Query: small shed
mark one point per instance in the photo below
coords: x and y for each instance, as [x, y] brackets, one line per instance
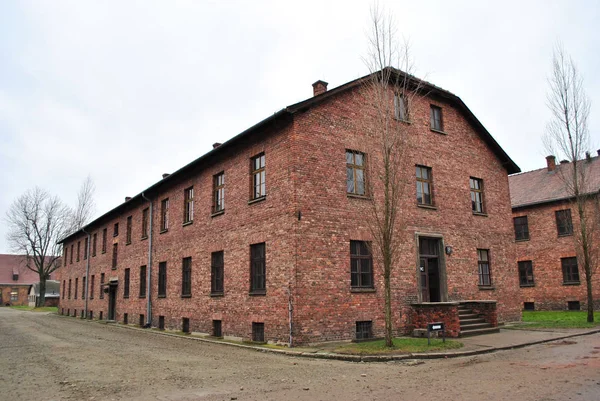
[52, 293]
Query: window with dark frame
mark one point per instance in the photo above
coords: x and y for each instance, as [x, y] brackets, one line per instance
[129, 228]
[436, 119]
[76, 287]
[83, 279]
[85, 248]
[400, 107]
[570, 270]
[217, 268]
[116, 230]
[69, 288]
[94, 243]
[126, 282]
[72, 251]
[162, 279]
[564, 225]
[356, 183]
[78, 250]
[188, 205]
[65, 255]
[185, 324]
[218, 192]
[143, 279]
[186, 277]
[526, 273]
[521, 228]
[259, 186]
[258, 332]
[114, 255]
[361, 265]
[101, 296]
[258, 269]
[483, 261]
[64, 288]
[364, 330]
[217, 328]
[145, 214]
[476, 185]
[92, 284]
[104, 235]
[424, 186]
[164, 215]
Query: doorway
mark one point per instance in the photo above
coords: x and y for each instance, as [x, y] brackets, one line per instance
[429, 269]
[112, 302]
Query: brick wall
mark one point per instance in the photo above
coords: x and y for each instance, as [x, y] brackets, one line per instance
[545, 248]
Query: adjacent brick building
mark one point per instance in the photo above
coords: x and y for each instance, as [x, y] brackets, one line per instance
[546, 223]
[266, 238]
[16, 280]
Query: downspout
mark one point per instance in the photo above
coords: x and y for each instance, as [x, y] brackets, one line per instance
[149, 271]
[87, 271]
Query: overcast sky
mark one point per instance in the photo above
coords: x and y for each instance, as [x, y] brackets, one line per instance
[125, 91]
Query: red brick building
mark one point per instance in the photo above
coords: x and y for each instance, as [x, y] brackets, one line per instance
[546, 222]
[265, 236]
[16, 280]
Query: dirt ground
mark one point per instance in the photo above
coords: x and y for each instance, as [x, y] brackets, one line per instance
[50, 357]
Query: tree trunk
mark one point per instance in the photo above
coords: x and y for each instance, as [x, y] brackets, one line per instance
[388, 308]
[41, 300]
[590, 296]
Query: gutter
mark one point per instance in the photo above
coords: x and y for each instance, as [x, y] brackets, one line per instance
[149, 269]
[87, 271]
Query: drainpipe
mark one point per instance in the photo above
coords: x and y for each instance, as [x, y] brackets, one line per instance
[87, 271]
[149, 270]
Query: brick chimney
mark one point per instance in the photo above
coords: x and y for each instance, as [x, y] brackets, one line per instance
[165, 175]
[127, 198]
[564, 162]
[319, 87]
[551, 162]
[216, 145]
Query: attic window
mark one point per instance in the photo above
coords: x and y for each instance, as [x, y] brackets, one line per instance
[15, 276]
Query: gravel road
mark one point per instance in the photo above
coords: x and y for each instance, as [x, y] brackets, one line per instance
[50, 357]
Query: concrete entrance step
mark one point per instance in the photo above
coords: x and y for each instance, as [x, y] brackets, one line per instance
[467, 322]
[474, 326]
[476, 332]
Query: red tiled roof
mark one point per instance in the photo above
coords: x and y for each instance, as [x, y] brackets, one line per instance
[543, 186]
[16, 264]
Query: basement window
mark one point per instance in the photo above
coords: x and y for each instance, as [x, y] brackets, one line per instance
[125, 318]
[574, 305]
[217, 328]
[258, 332]
[100, 316]
[529, 306]
[91, 315]
[185, 325]
[364, 330]
[142, 321]
[161, 322]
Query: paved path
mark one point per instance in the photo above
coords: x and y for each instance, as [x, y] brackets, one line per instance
[49, 357]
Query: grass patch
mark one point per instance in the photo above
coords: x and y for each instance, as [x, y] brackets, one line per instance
[41, 309]
[401, 345]
[558, 319]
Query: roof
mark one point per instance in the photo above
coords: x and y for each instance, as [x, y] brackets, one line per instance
[543, 186]
[16, 264]
[285, 115]
[52, 288]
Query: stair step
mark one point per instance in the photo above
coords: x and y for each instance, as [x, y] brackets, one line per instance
[476, 332]
[471, 321]
[468, 316]
[474, 326]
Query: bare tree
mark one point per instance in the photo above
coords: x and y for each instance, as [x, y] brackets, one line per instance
[567, 136]
[37, 221]
[387, 95]
[85, 204]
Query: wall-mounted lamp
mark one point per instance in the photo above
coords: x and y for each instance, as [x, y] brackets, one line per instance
[448, 250]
